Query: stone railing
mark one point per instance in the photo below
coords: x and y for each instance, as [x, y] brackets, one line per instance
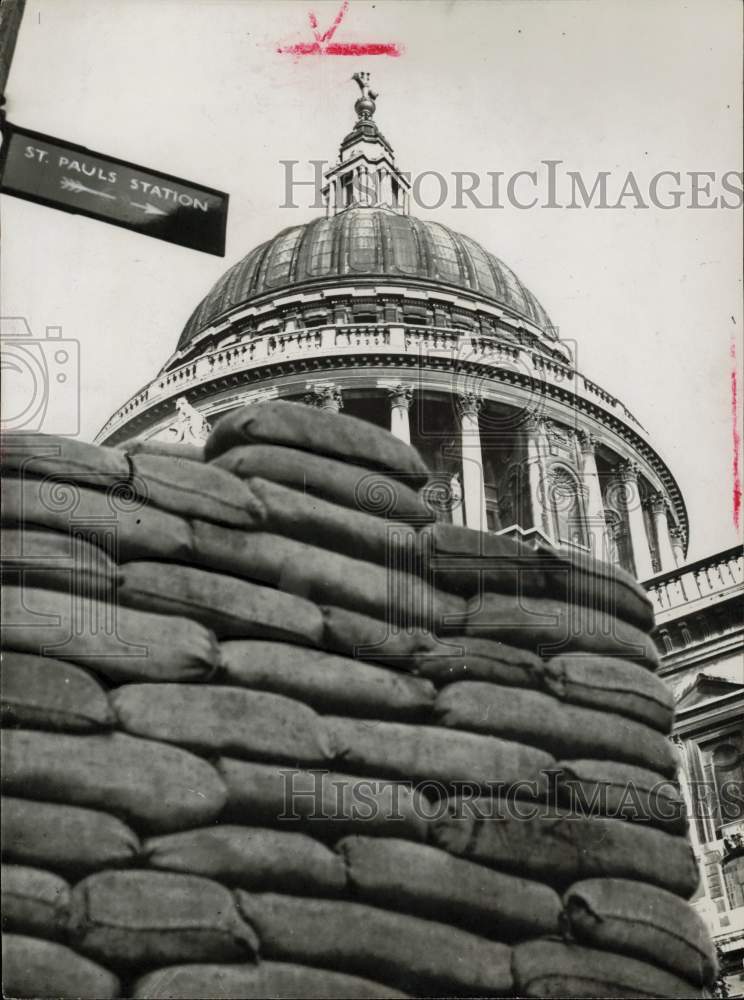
[707, 580]
[355, 339]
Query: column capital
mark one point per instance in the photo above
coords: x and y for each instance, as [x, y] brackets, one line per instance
[627, 470]
[401, 394]
[587, 441]
[657, 503]
[677, 535]
[469, 404]
[533, 423]
[324, 396]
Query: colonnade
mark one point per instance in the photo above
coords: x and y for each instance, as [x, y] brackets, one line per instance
[665, 537]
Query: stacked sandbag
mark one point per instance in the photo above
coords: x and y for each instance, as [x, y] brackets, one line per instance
[272, 730]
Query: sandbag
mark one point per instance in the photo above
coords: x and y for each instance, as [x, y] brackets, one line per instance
[413, 878]
[322, 803]
[362, 637]
[130, 528]
[162, 787]
[400, 599]
[254, 555]
[329, 683]
[642, 921]
[560, 849]
[194, 489]
[330, 526]
[553, 969]
[58, 560]
[228, 606]
[425, 753]
[34, 454]
[412, 954]
[541, 720]
[609, 788]
[277, 980]
[42, 693]
[613, 685]
[140, 918]
[473, 563]
[35, 902]
[171, 449]
[352, 486]
[251, 858]
[119, 643]
[334, 435]
[551, 626]
[468, 562]
[461, 657]
[582, 579]
[36, 968]
[47, 834]
[253, 724]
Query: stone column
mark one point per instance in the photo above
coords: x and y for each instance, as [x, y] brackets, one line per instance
[627, 473]
[324, 397]
[658, 504]
[469, 405]
[593, 500]
[678, 545]
[541, 519]
[400, 402]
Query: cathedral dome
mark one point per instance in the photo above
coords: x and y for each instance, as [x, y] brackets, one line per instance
[360, 243]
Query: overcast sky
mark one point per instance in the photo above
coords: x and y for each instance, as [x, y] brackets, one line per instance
[196, 88]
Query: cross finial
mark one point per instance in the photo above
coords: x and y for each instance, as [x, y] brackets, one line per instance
[365, 105]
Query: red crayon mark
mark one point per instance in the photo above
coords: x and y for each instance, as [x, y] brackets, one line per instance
[323, 46]
[736, 436]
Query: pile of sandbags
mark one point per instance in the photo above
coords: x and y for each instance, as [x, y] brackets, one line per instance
[273, 731]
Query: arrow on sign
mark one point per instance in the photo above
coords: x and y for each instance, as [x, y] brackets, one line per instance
[147, 208]
[69, 184]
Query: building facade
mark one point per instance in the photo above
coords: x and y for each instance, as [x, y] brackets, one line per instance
[700, 632]
[421, 330]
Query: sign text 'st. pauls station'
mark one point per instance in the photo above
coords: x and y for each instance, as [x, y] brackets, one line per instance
[56, 173]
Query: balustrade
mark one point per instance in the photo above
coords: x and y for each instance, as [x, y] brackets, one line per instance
[361, 337]
[708, 578]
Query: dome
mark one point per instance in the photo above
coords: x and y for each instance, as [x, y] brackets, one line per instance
[361, 242]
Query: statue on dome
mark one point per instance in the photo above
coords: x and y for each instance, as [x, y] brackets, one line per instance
[190, 426]
[365, 105]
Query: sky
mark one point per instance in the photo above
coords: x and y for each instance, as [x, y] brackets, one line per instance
[650, 299]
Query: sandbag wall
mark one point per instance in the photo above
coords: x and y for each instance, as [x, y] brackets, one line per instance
[271, 731]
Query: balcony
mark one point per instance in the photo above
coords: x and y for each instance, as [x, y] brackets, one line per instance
[697, 585]
[517, 363]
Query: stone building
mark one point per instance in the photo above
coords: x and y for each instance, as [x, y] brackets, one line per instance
[700, 631]
[420, 329]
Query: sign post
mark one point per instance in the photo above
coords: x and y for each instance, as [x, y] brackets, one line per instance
[62, 175]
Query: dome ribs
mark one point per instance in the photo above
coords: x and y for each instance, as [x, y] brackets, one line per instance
[366, 243]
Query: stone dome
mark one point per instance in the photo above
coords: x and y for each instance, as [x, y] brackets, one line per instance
[367, 242]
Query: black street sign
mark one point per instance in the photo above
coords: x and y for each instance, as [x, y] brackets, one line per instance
[61, 175]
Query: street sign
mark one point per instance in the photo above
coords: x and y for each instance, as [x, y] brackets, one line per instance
[61, 175]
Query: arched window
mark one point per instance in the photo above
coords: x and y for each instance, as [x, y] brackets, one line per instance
[564, 503]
